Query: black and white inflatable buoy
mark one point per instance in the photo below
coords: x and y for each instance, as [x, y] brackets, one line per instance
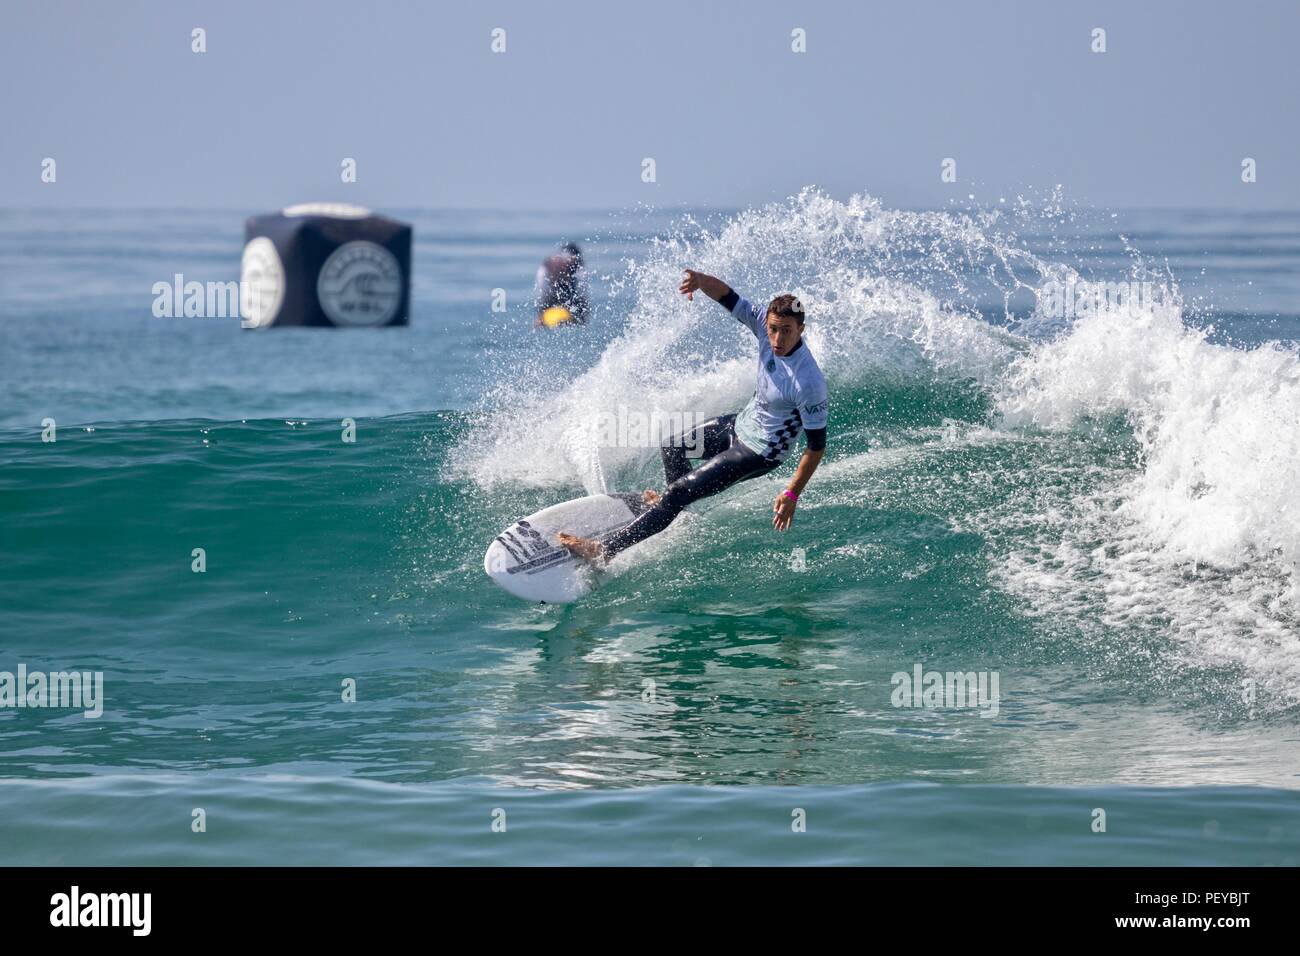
[325, 264]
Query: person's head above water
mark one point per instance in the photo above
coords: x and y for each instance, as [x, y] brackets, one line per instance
[565, 263]
[571, 251]
[784, 323]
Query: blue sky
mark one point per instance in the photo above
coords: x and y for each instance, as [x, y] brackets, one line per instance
[586, 91]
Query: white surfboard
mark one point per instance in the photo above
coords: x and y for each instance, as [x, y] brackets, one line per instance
[528, 561]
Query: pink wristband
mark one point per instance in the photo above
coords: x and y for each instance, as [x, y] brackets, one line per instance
[789, 494]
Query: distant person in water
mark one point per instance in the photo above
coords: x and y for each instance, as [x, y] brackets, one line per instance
[562, 285]
[790, 396]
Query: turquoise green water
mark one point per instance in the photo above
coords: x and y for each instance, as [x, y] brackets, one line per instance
[327, 822]
[1066, 516]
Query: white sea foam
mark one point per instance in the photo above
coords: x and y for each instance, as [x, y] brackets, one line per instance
[1219, 429]
[1202, 541]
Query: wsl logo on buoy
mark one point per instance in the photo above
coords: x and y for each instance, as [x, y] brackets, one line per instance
[360, 284]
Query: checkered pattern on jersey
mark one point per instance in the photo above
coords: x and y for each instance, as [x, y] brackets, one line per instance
[780, 441]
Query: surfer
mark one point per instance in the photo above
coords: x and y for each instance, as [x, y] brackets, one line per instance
[790, 396]
[561, 289]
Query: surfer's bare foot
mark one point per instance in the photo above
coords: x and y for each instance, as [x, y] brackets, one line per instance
[582, 547]
[650, 496]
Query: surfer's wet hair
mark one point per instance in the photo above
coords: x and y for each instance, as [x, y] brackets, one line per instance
[786, 307]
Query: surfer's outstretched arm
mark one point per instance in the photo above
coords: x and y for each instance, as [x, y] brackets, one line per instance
[749, 315]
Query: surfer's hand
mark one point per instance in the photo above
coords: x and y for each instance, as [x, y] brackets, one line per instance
[691, 284]
[694, 282]
[783, 512]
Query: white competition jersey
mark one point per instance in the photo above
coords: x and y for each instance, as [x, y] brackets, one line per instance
[790, 394]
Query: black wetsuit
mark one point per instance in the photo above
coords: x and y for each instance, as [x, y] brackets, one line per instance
[560, 282]
[727, 461]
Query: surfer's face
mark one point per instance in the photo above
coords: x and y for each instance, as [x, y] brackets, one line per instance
[782, 334]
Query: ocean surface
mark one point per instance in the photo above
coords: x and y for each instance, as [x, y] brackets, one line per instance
[1097, 509]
